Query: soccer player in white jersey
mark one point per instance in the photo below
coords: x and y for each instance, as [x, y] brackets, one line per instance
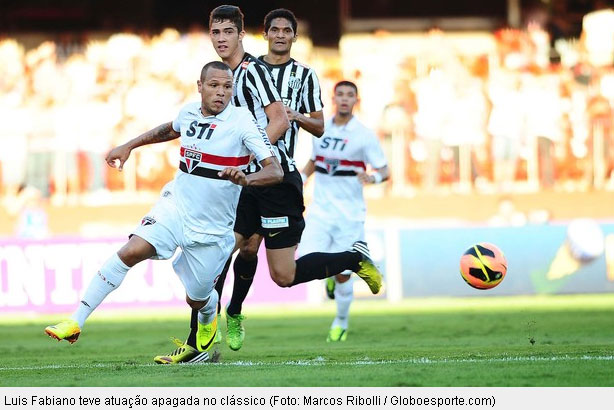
[337, 214]
[277, 210]
[196, 210]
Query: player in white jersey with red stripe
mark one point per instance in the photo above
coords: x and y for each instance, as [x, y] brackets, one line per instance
[336, 217]
[196, 210]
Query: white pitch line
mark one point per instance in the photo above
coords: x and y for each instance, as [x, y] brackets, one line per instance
[321, 361]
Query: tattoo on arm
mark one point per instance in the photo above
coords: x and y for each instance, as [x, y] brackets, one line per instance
[161, 133]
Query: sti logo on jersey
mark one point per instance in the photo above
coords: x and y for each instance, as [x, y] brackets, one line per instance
[334, 143]
[331, 165]
[192, 159]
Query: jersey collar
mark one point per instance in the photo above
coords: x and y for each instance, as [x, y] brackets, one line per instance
[350, 126]
[224, 115]
[261, 59]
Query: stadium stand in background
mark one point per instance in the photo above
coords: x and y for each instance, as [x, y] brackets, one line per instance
[531, 110]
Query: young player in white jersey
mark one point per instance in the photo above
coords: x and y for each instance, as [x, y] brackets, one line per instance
[336, 216]
[196, 210]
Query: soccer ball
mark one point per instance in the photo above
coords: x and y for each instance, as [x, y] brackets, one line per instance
[483, 266]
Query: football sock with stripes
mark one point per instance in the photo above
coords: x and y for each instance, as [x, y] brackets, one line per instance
[108, 278]
[319, 265]
[344, 294]
[219, 285]
[191, 341]
[244, 270]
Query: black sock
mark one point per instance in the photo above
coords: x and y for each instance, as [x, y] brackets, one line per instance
[244, 276]
[219, 286]
[193, 329]
[320, 265]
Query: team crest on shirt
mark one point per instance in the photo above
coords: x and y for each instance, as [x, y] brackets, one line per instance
[148, 220]
[294, 83]
[331, 165]
[192, 159]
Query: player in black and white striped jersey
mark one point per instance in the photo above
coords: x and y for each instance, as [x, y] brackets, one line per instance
[299, 88]
[297, 84]
[253, 86]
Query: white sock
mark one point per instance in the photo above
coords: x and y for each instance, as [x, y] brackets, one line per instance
[108, 278]
[207, 313]
[344, 294]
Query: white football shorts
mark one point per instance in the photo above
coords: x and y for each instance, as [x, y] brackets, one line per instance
[330, 236]
[202, 255]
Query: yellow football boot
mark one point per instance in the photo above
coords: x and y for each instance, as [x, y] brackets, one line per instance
[68, 330]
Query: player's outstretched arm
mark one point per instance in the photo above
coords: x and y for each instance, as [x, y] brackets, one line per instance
[278, 121]
[313, 123]
[161, 133]
[270, 174]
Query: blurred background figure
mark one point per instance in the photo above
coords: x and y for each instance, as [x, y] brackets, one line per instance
[506, 125]
[583, 244]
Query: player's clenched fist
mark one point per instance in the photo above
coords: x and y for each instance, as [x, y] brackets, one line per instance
[364, 178]
[234, 175]
[120, 153]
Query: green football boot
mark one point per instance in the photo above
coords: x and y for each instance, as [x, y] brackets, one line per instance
[235, 331]
[337, 334]
[330, 287]
[368, 271]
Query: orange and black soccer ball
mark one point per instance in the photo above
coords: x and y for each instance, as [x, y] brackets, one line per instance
[483, 266]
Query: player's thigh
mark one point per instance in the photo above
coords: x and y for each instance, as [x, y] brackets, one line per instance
[282, 265]
[200, 262]
[317, 236]
[281, 216]
[247, 220]
[162, 228]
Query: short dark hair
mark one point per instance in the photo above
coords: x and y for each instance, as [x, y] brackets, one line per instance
[280, 13]
[216, 65]
[346, 83]
[227, 12]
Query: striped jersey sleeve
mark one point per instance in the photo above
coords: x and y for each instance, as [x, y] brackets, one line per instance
[311, 97]
[261, 84]
[254, 88]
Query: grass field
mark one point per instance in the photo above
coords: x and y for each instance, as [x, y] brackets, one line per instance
[507, 341]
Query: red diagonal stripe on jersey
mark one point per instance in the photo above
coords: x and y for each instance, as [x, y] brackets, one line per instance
[218, 160]
[345, 162]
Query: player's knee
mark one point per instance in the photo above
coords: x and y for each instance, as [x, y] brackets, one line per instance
[281, 278]
[283, 282]
[342, 278]
[129, 255]
[249, 252]
[195, 304]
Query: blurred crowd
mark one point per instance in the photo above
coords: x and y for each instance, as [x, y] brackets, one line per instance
[535, 113]
[65, 104]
